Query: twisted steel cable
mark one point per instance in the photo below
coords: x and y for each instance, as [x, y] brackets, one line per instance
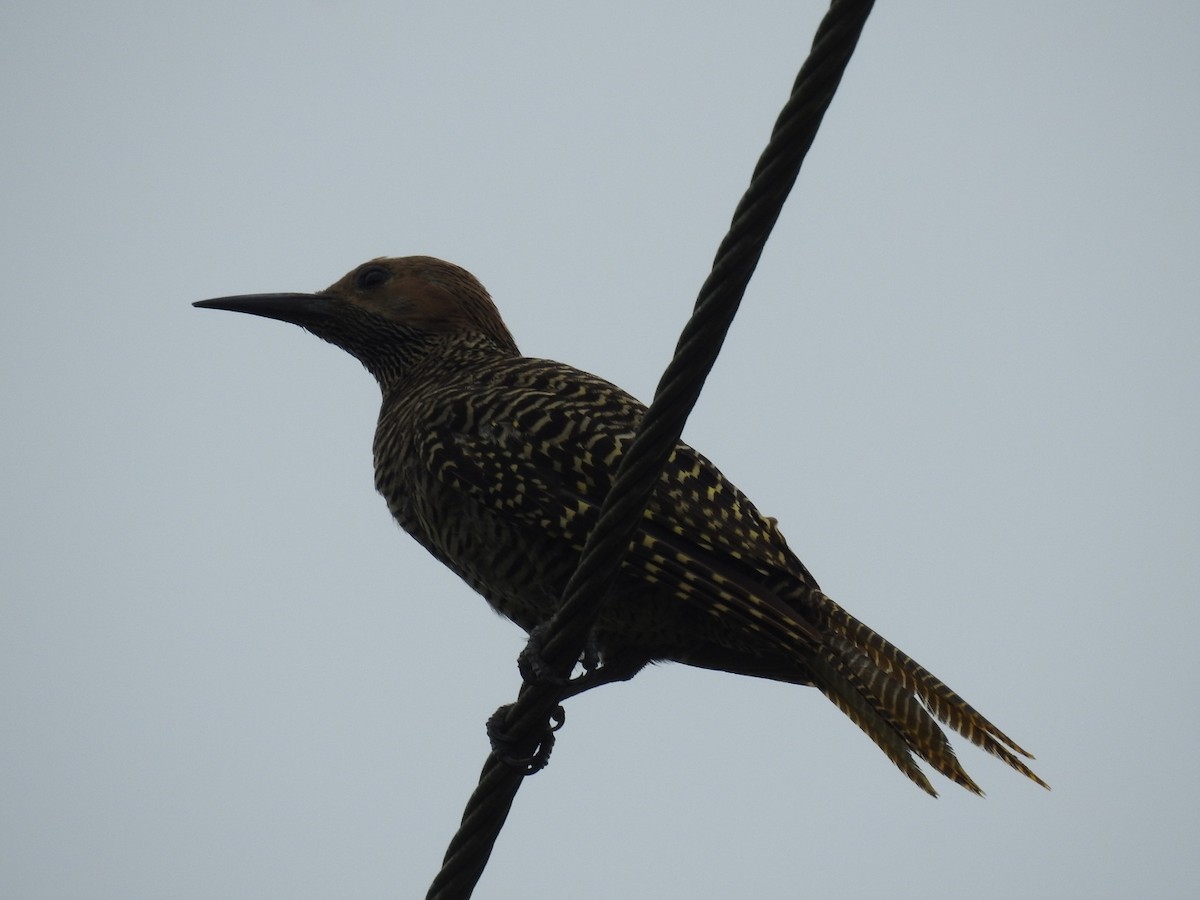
[526, 722]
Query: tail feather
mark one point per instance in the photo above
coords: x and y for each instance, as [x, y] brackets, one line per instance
[841, 688]
[903, 672]
[867, 694]
[905, 714]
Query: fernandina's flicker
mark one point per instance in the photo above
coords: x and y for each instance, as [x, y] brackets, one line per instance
[497, 464]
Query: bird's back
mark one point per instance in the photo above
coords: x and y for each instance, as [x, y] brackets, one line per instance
[514, 455]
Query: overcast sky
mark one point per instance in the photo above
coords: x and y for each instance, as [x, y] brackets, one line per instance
[965, 380]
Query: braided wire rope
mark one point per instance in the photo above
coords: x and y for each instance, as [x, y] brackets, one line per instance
[526, 721]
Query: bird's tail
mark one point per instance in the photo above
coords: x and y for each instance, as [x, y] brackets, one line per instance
[894, 699]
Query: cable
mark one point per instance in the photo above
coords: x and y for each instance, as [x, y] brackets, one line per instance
[527, 722]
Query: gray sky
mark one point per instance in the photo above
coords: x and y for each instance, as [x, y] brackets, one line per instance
[965, 380]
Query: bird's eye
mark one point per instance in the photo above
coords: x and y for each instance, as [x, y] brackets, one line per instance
[370, 276]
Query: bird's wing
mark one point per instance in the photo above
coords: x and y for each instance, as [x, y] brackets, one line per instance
[550, 464]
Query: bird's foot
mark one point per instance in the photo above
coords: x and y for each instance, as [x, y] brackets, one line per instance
[598, 670]
[532, 664]
[526, 754]
[534, 669]
[615, 669]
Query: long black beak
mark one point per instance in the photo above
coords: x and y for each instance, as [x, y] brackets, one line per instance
[299, 309]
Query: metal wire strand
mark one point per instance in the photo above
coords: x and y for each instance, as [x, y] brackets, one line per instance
[641, 465]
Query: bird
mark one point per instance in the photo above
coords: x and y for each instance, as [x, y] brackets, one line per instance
[497, 464]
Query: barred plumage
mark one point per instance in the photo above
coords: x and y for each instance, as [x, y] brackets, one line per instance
[497, 464]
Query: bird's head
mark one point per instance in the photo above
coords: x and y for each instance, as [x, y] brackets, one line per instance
[390, 313]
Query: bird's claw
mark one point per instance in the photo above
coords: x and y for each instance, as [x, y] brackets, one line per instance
[526, 754]
[533, 667]
[532, 664]
[591, 654]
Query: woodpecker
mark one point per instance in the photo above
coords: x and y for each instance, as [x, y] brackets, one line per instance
[497, 464]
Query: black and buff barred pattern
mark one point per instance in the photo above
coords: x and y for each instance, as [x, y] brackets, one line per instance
[497, 464]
